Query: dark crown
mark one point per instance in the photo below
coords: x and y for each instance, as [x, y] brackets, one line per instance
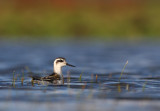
[61, 58]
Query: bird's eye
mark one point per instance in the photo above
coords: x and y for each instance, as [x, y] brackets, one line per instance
[60, 61]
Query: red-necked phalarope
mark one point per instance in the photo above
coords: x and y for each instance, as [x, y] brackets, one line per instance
[56, 77]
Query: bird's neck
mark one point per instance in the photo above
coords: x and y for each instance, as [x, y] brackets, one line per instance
[57, 70]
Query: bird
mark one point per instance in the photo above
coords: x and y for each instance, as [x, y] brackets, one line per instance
[56, 77]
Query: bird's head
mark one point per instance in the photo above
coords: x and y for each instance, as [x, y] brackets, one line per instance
[60, 62]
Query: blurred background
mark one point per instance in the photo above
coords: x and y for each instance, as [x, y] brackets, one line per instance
[107, 19]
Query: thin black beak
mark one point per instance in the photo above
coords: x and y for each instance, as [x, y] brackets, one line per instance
[70, 65]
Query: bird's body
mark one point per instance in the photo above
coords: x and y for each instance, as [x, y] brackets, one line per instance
[53, 78]
[56, 77]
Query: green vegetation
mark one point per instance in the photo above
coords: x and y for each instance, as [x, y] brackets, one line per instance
[144, 86]
[13, 80]
[123, 70]
[80, 77]
[98, 18]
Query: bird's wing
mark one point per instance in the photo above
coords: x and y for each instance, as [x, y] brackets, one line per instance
[51, 77]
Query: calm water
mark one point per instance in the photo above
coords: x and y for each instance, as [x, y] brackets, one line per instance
[137, 89]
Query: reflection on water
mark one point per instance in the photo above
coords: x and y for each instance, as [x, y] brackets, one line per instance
[93, 81]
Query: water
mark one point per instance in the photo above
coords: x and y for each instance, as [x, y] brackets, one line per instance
[138, 89]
